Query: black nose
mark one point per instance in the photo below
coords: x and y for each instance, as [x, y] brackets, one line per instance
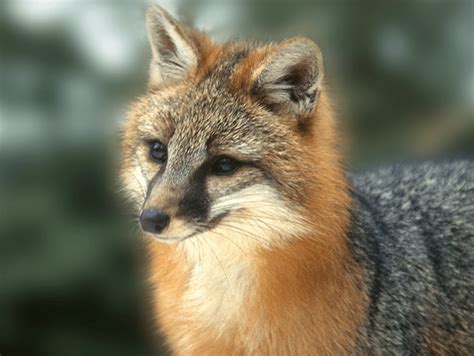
[154, 221]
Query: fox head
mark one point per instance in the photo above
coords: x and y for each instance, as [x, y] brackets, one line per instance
[230, 139]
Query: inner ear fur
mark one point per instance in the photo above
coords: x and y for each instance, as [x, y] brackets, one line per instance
[174, 55]
[289, 80]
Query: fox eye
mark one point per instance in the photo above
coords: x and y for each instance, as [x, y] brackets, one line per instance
[224, 165]
[158, 152]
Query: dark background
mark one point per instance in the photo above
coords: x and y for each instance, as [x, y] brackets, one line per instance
[71, 278]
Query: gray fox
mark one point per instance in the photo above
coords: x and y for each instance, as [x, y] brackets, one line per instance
[259, 242]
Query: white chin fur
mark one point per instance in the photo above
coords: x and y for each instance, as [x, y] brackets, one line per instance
[257, 218]
[221, 260]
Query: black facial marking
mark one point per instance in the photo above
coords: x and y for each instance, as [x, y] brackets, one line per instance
[195, 204]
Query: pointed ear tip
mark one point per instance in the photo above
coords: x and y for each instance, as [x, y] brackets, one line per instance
[154, 9]
[155, 13]
[152, 14]
[303, 43]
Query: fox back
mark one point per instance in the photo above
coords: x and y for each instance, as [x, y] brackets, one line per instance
[259, 243]
[413, 232]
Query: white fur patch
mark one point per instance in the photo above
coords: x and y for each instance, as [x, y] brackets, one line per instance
[135, 185]
[220, 281]
[258, 216]
[221, 259]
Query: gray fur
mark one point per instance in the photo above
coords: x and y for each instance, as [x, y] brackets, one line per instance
[413, 233]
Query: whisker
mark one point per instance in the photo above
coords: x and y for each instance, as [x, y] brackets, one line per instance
[222, 267]
[228, 239]
[300, 222]
[245, 233]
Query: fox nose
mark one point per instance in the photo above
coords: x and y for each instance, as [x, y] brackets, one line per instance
[154, 221]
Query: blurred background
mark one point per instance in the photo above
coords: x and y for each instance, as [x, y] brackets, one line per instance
[71, 277]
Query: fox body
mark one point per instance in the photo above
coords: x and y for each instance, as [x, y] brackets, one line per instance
[259, 242]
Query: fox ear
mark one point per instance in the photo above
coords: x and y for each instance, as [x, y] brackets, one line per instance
[173, 54]
[290, 80]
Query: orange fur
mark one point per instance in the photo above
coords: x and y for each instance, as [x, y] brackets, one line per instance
[303, 296]
[306, 295]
